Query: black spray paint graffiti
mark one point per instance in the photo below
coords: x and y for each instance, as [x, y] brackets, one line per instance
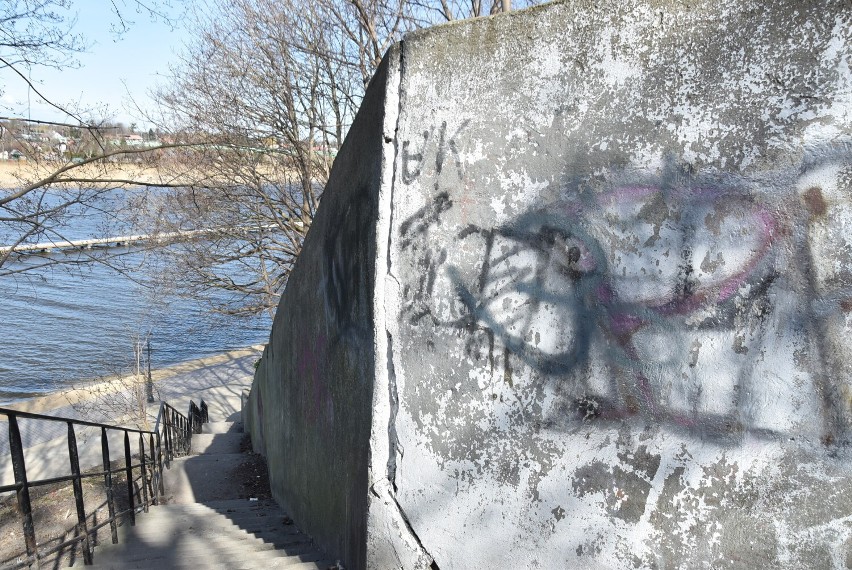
[345, 274]
[550, 286]
[413, 162]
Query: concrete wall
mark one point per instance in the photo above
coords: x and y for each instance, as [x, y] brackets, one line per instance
[610, 319]
[309, 408]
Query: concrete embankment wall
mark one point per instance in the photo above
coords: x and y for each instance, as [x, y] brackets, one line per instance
[309, 409]
[601, 310]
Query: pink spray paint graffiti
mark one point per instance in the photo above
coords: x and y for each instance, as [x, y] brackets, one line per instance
[596, 279]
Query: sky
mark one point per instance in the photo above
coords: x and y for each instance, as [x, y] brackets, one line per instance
[115, 70]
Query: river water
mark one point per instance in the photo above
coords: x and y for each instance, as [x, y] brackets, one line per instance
[61, 325]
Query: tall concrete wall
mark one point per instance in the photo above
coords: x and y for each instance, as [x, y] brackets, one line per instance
[609, 294]
[309, 410]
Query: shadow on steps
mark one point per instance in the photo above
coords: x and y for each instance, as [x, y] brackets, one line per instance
[219, 513]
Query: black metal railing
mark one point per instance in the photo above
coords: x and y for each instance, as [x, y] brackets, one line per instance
[197, 415]
[170, 438]
[174, 429]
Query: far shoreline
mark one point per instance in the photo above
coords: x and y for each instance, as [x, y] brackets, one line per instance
[15, 174]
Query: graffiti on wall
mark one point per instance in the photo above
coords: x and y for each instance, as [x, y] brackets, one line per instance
[344, 278]
[660, 297]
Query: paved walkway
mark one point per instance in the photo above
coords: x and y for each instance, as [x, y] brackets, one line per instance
[218, 380]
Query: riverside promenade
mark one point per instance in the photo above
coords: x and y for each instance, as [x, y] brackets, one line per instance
[219, 380]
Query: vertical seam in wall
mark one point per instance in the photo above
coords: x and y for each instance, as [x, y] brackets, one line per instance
[398, 89]
[393, 395]
[384, 445]
[382, 448]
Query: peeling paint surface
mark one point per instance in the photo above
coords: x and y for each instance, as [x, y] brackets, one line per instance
[579, 295]
[622, 265]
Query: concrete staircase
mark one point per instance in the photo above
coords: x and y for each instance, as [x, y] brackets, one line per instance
[211, 519]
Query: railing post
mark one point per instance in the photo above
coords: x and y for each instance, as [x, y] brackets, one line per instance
[184, 440]
[129, 469]
[195, 418]
[178, 442]
[177, 434]
[160, 464]
[144, 472]
[149, 382]
[187, 434]
[77, 483]
[16, 448]
[167, 416]
[155, 496]
[108, 485]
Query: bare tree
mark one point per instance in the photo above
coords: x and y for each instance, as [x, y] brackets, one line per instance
[52, 183]
[267, 89]
[262, 100]
[435, 11]
[41, 33]
[37, 32]
[122, 397]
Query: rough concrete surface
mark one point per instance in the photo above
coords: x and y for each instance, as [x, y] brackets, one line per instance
[606, 323]
[309, 410]
[216, 469]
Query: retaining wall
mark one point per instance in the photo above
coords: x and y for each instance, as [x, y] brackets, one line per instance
[579, 296]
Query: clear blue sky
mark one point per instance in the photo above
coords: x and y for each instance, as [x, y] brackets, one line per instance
[114, 65]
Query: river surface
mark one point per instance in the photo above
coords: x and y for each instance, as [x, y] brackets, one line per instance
[61, 325]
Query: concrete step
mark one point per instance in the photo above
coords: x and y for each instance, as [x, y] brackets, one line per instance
[212, 443]
[269, 520]
[229, 534]
[195, 564]
[222, 427]
[213, 559]
[192, 545]
[263, 538]
[202, 549]
[229, 506]
[202, 478]
[211, 518]
[234, 555]
[261, 509]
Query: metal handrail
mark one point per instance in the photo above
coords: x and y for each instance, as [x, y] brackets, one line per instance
[197, 415]
[171, 437]
[174, 429]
